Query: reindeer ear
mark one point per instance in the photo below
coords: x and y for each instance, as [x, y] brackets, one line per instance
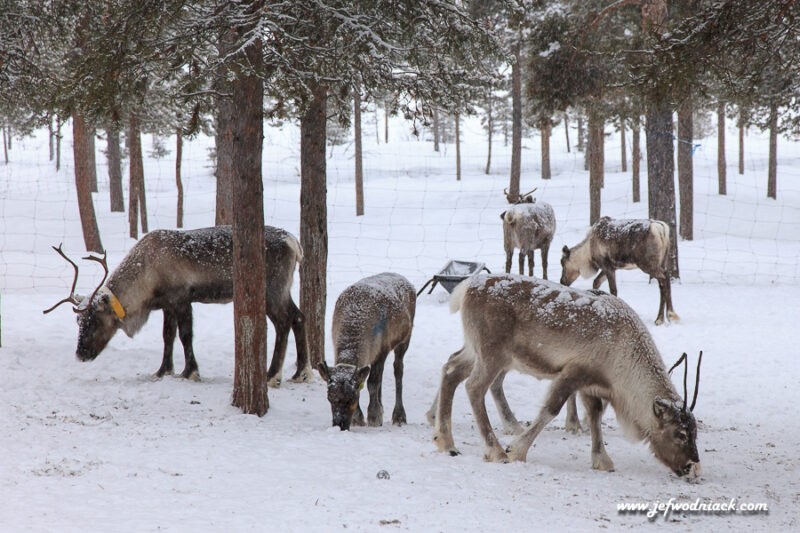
[322, 368]
[361, 375]
[565, 250]
[503, 215]
[662, 407]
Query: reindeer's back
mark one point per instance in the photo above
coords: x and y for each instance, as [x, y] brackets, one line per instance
[374, 314]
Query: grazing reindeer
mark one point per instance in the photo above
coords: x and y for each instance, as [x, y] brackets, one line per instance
[528, 226]
[372, 317]
[613, 244]
[169, 270]
[584, 342]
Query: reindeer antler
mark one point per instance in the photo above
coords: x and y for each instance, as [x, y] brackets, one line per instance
[85, 303]
[685, 359]
[697, 381]
[72, 298]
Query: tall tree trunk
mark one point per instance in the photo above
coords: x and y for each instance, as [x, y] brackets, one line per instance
[359, 157]
[490, 132]
[772, 171]
[636, 158]
[623, 145]
[5, 145]
[80, 150]
[314, 222]
[741, 143]
[58, 143]
[661, 172]
[458, 147]
[7, 135]
[50, 137]
[386, 121]
[581, 135]
[377, 125]
[136, 174]
[178, 178]
[436, 132]
[721, 171]
[596, 164]
[114, 159]
[686, 169]
[92, 160]
[566, 129]
[516, 122]
[546, 129]
[224, 139]
[249, 280]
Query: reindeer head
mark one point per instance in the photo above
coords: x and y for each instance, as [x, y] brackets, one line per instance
[674, 438]
[570, 268]
[344, 385]
[97, 319]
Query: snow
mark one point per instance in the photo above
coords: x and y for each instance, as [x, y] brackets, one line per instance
[100, 446]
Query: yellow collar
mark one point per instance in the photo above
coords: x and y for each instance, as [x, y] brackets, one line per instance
[116, 305]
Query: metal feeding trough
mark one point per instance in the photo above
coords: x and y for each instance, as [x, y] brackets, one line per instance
[453, 273]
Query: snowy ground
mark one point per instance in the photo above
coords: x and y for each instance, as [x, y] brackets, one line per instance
[101, 447]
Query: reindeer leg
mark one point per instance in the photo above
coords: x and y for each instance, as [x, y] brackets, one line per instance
[275, 372]
[399, 412]
[511, 425]
[662, 300]
[671, 314]
[184, 316]
[573, 424]
[509, 258]
[594, 408]
[454, 371]
[612, 280]
[303, 373]
[169, 331]
[521, 262]
[598, 281]
[483, 374]
[374, 381]
[544, 250]
[561, 389]
[530, 263]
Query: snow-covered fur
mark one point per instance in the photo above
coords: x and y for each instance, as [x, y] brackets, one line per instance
[371, 318]
[528, 226]
[169, 270]
[584, 341]
[626, 243]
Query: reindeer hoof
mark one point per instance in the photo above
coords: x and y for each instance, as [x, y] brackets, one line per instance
[573, 427]
[274, 383]
[673, 317]
[495, 455]
[603, 462]
[303, 376]
[194, 375]
[453, 452]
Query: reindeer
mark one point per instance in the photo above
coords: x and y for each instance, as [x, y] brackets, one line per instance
[528, 226]
[612, 244]
[584, 342]
[371, 318]
[169, 270]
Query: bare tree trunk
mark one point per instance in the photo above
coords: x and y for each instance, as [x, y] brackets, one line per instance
[636, 158]
[516, 122]
[80, 150]
[136, 175]
[490, 132]
[741, 143]
[566, 129]
[359, 158]
[50, 137]
[314, 222]
[596, 164]
[178, 179]
[5, 145]
[249, 281]
[721, 171]
[458, 147]
[377, 126]
[386, 121]
[623, 145]
[686, 169]
[58, 143]
[772, 170]
[581, 134]
[114, 159]
[92, 160]
[224, 140]
[546, 129]
[436, 132]
[10, 137]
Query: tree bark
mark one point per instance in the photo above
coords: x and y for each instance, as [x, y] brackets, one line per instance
[436, 132]
[50, 137]
[581, 135]
[490, 132]
[772, 171]
[358, 155]
[546, 129]
[58, 143]
[224, 140]
[516, 122]
[636, 158]
[741, 145]
[566, 129]
[135, 173]
[314, 222]
[622, 144]
[249, 281]
[596, 164]
[458, 147]
[80, 150]
[178, 178]
[721, 171]
[386, 121]
[686, 169]
[114, 158]
[92, 159]
[5, 145]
